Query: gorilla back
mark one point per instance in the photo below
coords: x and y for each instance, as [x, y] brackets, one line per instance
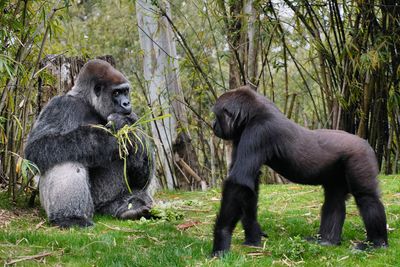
[81, 171]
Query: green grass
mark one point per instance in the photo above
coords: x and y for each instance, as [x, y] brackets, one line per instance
[287, 213]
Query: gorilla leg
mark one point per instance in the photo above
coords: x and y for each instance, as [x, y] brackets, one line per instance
[333, 214]
[364, 187]
[65, 195]
[229, 214]
[373, 214]
[252, 229]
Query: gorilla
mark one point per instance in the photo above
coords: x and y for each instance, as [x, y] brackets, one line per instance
[341, 162]
[80, 167]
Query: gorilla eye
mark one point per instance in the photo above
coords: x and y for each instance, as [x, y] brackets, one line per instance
[97, 90]
[116, 93]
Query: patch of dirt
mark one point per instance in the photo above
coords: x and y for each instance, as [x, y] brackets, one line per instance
[6, 216]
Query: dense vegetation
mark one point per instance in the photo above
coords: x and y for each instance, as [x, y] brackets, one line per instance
[326, 64]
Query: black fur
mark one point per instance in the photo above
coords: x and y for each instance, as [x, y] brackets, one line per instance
[342, 163]
[64, 130]
[81, 171]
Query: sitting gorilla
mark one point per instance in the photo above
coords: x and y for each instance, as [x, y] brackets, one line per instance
[81, 171]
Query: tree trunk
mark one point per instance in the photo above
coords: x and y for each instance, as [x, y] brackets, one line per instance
[252, 36]
[153, 35]
[176, 153]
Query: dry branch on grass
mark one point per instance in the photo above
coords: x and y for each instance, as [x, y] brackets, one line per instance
[187, 225]
[33, 257]
[117, 228]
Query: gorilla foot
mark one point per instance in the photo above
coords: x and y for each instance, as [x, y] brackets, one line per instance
[254, 241]
[367, 245]
[327, 243]
[312, 239]
[219, 253]
[321, 241]
[71, 221]
[263, 234]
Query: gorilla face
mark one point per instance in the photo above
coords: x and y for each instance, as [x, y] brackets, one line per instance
[116, 96]
[220, 125]
[109, 99]
[235, 109]
[120, 98]
[228, 123]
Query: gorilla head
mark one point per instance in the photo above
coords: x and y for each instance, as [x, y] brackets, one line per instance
[235, 109]
[229, 117]
[104, 88]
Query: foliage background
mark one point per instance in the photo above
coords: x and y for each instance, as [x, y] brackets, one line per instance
[326, 64]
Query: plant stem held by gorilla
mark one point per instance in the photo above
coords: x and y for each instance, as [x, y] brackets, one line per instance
[125, 140]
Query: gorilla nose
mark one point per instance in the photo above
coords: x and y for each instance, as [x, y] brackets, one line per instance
[126, 105]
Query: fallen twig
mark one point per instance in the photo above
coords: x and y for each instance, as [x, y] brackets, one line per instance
[39, 225]
[32, 257]
[192, 173]
[195, 210]
[259, 254]
[187, 225]
[116, 228]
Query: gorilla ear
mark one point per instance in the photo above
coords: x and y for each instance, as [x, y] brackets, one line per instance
[97, 90]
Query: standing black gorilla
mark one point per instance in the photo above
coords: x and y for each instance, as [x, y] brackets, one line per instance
[81, 172]
[342, 163]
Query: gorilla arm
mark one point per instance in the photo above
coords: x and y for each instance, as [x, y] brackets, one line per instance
[120, 202]
[247, 158]
[240, 193]
[63, 134]
[140, 167]
[140, 160]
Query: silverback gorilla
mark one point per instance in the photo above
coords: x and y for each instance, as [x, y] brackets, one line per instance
[81, 171]
[341, 162]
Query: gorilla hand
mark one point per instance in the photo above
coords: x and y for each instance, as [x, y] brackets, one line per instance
[133, 207]
[116, 120]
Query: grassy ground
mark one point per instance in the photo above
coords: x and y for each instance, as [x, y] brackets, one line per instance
[288, 213]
